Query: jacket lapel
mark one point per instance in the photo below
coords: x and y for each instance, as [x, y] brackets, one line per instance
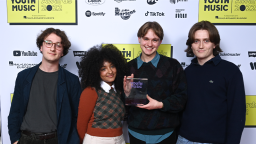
[60, 90]
[28, 83]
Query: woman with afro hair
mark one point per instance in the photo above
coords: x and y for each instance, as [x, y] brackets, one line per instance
[101, 109]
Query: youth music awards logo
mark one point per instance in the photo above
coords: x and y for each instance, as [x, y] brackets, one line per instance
[125, 14]
[131, 51]
[228, 11]
[42, 12]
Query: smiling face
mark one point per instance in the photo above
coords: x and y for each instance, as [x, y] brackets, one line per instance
[149, 44]
[55, 52]
[202, 46]
[108, 72]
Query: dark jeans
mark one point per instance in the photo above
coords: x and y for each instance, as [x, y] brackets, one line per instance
[33, 140]
[170, 140]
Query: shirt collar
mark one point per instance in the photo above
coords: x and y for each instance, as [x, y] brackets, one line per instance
[154, 61]
[106, 87]
[215, 60]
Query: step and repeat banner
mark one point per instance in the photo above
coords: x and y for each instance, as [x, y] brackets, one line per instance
[94, 22]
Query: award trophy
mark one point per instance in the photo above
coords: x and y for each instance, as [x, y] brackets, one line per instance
[137, 88]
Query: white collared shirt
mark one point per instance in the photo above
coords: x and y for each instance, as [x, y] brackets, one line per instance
[106, 87]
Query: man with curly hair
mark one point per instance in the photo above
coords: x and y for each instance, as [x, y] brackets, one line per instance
[156, 122]
[45, 103]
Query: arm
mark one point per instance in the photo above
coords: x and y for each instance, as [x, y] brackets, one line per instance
[87, 103]
[236, 109]
[14, 122]
[178, 98]
[175, 102]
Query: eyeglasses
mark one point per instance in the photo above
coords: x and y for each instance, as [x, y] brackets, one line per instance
[49, 44]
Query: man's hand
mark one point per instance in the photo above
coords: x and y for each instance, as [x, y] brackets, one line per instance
[127, 87]
[16, 142]
[153, 104]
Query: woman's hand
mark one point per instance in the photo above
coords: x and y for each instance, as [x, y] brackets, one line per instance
[127, 85]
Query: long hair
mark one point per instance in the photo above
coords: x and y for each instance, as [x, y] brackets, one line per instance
[92, 62]
[213, 35]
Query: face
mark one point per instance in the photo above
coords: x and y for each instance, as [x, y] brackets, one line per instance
[52, 54]
[108, 72]
[149, 43]
[202, 46]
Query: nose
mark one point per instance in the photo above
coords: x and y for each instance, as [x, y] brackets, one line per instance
[53, 47]
[110, 70]
[150, 43]
[201, 44]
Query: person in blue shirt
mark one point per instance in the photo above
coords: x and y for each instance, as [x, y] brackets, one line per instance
[215, 110]
[156, 121]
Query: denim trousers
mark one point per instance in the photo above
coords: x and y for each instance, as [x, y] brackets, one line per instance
[182, 140]
[33, 140]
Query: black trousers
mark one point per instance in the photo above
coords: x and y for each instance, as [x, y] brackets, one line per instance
[172, 139]
[33, 140]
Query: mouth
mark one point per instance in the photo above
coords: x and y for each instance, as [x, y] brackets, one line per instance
[148, 48]
[52, 53]
[110, 76]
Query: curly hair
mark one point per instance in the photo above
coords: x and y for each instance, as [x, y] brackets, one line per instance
[92, 62]
[213, 35]
[64, 39]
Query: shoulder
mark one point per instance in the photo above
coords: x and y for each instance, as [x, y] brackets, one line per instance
[132, 62]
[28, 72]
[229, 68]
[89, 92]
[171, 61]
[68, 75]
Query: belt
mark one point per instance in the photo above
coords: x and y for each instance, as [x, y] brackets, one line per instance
[41, 136]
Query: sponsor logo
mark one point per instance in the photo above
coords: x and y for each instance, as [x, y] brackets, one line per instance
[252, 53]
[151, 2]
[125, 13]
[16, 53]
[180, 13]
[123, 0]
[64, 65]
[89, 13]
[21, 65]
[95, 2]
[23, 53]
[229, 54]
[184, 65]
[41, 12]
[79, 53]
[253, 65]
[176, 1]
[154, 13]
